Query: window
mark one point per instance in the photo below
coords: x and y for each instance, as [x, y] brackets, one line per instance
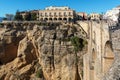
[69, 13]
[40, 14]
[64, 13]
[55, 13]
[50, 13]
[59, 13]
[45, 14]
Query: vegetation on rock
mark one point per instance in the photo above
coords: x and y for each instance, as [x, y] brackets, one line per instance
[39, 73]
[78, 43]
[18, 16]
[27, 17]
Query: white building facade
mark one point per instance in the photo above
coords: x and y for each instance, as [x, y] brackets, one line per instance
[56, 14]
[112, 14]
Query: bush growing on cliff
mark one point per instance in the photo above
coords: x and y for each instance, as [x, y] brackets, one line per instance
[1, 25]
[39, 73]
[33, 16]
[18, 16]
[27, 17]
[77, 43]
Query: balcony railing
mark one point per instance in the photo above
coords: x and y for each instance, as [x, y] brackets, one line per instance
[55, 16]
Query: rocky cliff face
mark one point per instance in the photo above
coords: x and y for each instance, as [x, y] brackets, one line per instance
[33, 52]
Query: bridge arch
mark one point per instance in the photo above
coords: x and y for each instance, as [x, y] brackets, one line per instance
[107, 57]
[65, 19]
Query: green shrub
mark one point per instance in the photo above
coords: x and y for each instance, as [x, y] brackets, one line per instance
[77, 43]
[1, 24]
[39, 73]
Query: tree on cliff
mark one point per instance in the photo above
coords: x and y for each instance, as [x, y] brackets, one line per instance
[18, 17]
[28, 17]
[78, 44]
[33, 16]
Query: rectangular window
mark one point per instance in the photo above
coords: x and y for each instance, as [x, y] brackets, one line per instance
[64, 13]
[69, 13]
[55, 13]
[50, 13]
[45, 14]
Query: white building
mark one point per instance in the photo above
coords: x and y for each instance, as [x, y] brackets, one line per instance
[57, 8]
[112, 14]
[95, 16]
[53, 13]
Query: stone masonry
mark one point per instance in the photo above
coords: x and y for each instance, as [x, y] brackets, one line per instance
[114, 72]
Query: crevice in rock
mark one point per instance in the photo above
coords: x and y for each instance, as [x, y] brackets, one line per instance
[77, 75]
[52, 57]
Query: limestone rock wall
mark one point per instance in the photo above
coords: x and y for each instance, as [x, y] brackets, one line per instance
[31, 50]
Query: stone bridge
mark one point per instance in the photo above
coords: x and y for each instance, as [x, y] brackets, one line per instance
[99, 58]
[114, 71]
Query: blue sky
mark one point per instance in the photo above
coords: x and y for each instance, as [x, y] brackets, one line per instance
[11, 6]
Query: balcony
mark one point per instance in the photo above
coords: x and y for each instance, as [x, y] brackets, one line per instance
[65, 15]
[46, 15]
[60, 15]
[70, 15]
[41, 16]
[55, 16]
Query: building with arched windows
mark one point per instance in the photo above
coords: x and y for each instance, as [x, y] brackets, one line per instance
[56, 14]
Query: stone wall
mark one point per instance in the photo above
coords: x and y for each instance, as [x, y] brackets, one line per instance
[114, 72]
[99, 51]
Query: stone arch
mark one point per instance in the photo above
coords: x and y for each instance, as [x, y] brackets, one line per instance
[92, 65]
[65, 19]
[46, 19]
[59, 18]
[55, 19]
[50, 19]
[107, 57]
[70, 19]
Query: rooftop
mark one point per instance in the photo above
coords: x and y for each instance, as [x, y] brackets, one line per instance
[57, 8]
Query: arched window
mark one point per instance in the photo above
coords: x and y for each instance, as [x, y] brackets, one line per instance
[59, 18]
[65, 19]
[50, 18]
[55, 18]
[46, 19]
